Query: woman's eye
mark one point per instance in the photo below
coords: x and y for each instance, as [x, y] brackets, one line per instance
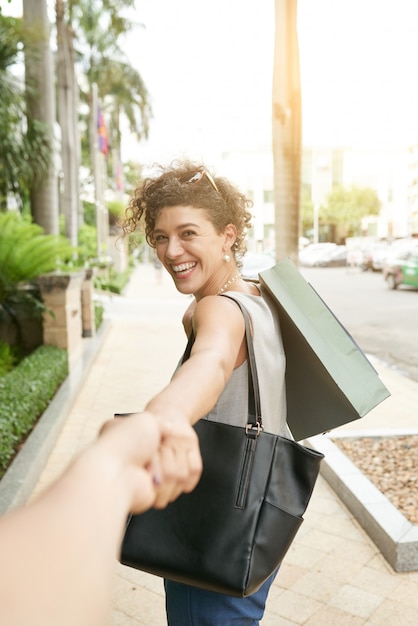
[188, 233]
[160, 238]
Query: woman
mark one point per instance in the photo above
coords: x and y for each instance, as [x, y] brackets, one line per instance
[197, 225]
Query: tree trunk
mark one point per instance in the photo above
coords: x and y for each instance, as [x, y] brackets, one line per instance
[41, 106]
[287, 130]
[67, 116]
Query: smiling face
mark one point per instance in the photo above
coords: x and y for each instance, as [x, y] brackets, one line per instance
[192, 251]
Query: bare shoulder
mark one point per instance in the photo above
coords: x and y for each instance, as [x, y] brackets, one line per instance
[215, 305]
[211, 312]
[219, 326]
[217, 311]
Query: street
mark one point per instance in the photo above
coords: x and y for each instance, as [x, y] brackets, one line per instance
[383, 322]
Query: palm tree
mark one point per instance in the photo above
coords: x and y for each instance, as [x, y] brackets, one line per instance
[20, 135]
[41, 106]
[68, 106]
[287, 130]
[88, 32]
[120, 86]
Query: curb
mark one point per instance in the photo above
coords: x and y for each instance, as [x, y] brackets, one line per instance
[24, 472]
[394, 535]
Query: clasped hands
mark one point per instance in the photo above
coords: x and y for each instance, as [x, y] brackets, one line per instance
[160, 458]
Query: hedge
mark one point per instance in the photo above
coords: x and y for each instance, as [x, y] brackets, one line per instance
[112, 281]
[25, 393]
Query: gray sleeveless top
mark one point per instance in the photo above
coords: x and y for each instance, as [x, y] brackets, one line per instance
[232, 404]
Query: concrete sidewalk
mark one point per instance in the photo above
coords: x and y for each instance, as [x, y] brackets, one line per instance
[333, 575]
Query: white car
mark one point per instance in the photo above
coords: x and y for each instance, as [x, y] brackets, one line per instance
[309, 255]
[253, 263]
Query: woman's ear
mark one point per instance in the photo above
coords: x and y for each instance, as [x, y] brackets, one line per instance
[230, 235]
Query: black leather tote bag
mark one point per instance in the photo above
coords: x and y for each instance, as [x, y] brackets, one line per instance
[234, 529]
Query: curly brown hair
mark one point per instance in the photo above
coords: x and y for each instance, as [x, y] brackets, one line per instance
[180, 185]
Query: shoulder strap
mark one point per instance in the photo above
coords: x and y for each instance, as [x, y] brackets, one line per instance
[255, 424]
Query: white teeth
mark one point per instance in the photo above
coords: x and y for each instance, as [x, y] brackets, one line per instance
[183, 267]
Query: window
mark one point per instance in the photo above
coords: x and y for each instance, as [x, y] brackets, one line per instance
[269, 196]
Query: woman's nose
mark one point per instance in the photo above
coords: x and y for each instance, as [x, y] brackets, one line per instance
[174, 248]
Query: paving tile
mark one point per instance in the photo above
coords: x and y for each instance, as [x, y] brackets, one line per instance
[320, 588]
[341, 570]
[139, 603]
[119, 618]
[288, 574]
[318, 539]
[276, 620]
[294, 606]
[407, 593]
[340, 523]
[391, 613]
[356, 601]
[383, 582]
[330, 616]
[361, 551]
[303, 556]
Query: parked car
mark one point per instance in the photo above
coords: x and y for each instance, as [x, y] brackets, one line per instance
[383, 251]
[402, 270]
[309, 255]
[377, 255]
[399, 248]
[359, 257]
[334, 257]
[253, 263]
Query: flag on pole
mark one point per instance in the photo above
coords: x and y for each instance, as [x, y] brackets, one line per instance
[119, 177]
[102, 132]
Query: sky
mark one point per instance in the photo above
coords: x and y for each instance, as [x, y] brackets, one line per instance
[208, 67]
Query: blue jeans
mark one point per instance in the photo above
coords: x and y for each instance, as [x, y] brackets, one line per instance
[190, 606]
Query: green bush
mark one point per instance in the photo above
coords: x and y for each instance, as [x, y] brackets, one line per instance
[7, 358]
[98, 314]
[87, 245]
[89, 210]
[116, 210]
[25, 393]
[112, 281]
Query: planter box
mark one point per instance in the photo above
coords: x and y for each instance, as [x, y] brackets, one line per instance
[62, 322]
[393, 534]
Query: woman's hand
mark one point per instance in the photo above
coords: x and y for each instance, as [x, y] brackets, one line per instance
[179, 460]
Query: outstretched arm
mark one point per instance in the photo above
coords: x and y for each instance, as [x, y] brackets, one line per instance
[219, 347]
[58, 553]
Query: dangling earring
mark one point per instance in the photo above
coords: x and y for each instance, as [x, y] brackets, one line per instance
[227, 258]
